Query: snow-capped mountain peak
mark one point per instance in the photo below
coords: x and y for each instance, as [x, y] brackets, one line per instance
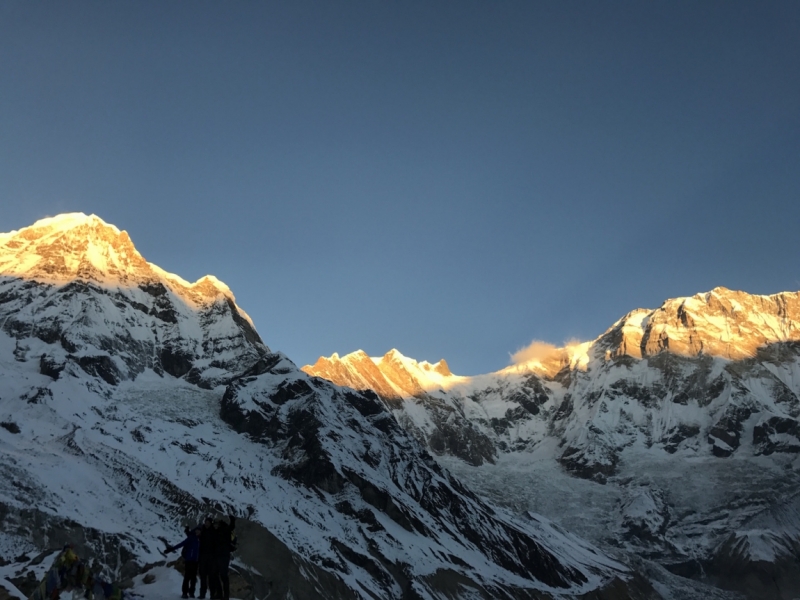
[724, 323]
[79, 285]
[71, 246]
[75, 246]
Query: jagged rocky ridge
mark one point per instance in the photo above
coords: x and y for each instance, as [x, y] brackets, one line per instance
[682, 421]
[132, 402]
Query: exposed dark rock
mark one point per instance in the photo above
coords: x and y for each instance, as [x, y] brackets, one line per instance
[250, 334]
[48, 334]
[777, 434]
[103, 367]
[462, 439]
[50, 367]
[41, 395]
[25, 582]
[68, 344]
[384, 502]
[284, 574]
[597, 462]
[734, 570]
[290, 391]
[155, 289]
[187, 447]
[635, 587]
[565, 408]
[174, 361]
[455, 434]
[162, 307]
[166, 314]
[726, 433]
[267, 363]
[785, 396]
[646, 517]
[673, 438]
[530, 395]
[647, 396]
[10, 426]
[367, 403]
[715, 388]
[195, 377]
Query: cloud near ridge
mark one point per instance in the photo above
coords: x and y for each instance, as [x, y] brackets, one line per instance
[536, 350]
[543, 351]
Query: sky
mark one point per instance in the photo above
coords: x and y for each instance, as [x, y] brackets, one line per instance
[451, 179]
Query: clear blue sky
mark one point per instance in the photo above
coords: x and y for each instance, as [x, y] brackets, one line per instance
[453, 179]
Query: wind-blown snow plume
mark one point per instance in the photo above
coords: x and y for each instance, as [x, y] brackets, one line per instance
[537, 350]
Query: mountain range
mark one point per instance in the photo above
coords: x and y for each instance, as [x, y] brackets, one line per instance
[132, 403]
[670, 441]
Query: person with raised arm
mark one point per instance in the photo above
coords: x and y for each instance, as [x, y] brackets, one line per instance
[191, 557]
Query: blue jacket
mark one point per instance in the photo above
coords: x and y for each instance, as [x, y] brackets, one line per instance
[191, 548]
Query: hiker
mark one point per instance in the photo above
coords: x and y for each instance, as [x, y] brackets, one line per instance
[224, 544]
[68, 573]
[191, 555]
[205, 565]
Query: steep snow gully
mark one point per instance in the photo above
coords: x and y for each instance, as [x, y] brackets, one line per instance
[133, 402]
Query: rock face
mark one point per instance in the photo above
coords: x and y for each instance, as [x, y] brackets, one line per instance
[132, 403]
[704, 389]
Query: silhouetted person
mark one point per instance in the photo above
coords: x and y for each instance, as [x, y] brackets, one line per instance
[205, 566]
[223, 545]
[191, 555]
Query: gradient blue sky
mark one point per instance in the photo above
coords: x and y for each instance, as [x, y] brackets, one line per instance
[453, 179]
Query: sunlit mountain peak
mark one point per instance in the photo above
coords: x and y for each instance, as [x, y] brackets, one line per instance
[392, 375]
[79, 247]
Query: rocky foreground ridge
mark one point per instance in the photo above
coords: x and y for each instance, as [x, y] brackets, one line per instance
[133, 402]
[674, 435]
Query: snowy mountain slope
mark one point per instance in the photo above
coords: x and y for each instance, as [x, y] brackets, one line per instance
[689, 413]
[348, 447]
[132, 403]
